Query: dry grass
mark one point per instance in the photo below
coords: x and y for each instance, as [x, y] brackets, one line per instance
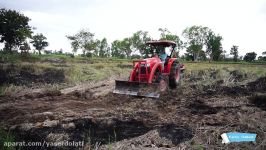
[77, 72]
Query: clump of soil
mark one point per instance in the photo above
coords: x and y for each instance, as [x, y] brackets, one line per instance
[45, 93]
[198, 107]
[259, 100]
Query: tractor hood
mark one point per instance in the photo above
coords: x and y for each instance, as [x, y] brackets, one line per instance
[149, 62]
[152, 60]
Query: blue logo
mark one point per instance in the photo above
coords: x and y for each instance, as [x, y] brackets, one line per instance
[238, 137]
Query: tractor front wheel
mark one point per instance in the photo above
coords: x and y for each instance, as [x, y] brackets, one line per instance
[175, 75]
[159, 78]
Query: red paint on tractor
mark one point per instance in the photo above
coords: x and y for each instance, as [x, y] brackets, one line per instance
[153, 71]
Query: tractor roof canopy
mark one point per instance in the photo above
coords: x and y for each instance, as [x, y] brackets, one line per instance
[160, 46]
[165, 43]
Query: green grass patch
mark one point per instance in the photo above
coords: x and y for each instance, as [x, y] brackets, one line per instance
[249, 68]
[16, 57]
[5, 138]
[2, 90]
[78, 73]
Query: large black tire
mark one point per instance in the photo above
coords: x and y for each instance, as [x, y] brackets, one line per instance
[159, 78]
[156, 77]
[175, 75]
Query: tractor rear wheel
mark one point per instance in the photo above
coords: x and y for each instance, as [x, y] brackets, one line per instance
[175, 75]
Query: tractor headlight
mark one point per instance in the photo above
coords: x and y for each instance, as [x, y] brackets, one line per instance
[148, 65]
[145, 65]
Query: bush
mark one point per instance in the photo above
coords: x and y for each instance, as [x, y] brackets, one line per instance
[250, 56]
[48, 52]
[70, 55]
[89, 54]
[262, 58]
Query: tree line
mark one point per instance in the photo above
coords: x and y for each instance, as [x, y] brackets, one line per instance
[200, 43]
[196, 39]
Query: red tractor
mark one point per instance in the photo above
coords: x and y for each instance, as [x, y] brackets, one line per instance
[152, 75]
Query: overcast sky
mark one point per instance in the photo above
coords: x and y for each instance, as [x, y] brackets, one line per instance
[239, 22]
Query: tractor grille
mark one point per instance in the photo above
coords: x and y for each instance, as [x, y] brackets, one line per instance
[143, 69]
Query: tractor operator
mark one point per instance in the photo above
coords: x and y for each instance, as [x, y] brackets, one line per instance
[163, 56]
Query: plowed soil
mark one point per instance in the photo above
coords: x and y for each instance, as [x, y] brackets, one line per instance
[184, 118]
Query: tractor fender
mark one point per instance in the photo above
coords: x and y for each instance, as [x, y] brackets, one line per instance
[170, 62]
[154, 68]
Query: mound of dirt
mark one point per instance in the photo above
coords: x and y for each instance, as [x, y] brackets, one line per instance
[164, 137]
[27, 77]
[258, 85]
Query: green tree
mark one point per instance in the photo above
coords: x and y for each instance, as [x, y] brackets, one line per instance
[25, 47]
[214, 46]
[202, 55]
[39, 42]
[14, 28]
[194, 50]
[126, 46]
[250, 56]
[122, 48]
[109, 52]
[116, 49]
[167, 35]
[103, 48]
[96, 44]
[234, 52]
[195, 39]
[83, 40]
[187, 56]
[139, 40]
[263, 57]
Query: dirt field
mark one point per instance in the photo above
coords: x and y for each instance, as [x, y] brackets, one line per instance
[190, 117]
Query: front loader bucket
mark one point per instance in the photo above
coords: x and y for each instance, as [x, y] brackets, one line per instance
[137, 89]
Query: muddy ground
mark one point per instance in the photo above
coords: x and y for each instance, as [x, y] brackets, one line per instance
[184, 118]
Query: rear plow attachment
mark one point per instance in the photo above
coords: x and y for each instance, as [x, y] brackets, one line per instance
[137, 89]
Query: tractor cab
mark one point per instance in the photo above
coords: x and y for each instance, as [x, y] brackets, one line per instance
[163, 49]
[159, 47]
